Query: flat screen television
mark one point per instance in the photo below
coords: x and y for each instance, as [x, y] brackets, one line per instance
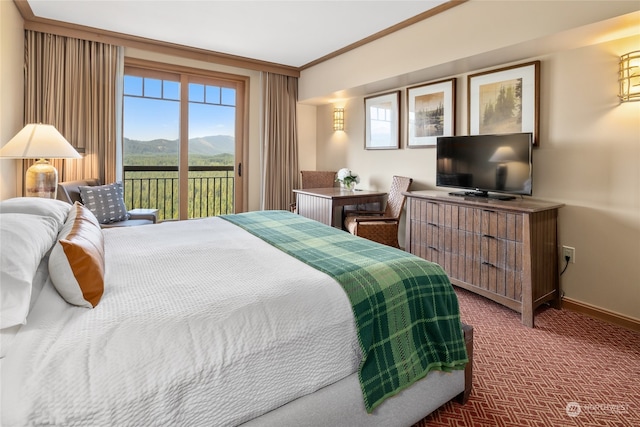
[484, 164]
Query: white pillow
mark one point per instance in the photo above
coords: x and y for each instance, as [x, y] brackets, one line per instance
[24, 240]
[56, 209]
[76, 263]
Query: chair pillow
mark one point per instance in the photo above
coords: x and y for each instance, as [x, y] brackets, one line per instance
[76, 263]
[106, 202]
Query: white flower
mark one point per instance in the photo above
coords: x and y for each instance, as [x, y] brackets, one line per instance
[343, 173]
[346, 177]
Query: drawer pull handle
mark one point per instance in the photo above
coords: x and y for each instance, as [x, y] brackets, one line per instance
[489, 236]
[433, 224]
[432, 247]
[488, 263]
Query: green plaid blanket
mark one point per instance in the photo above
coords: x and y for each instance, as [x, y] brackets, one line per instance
[405, 309]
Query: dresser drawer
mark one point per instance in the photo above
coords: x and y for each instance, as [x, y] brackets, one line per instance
[503, 225]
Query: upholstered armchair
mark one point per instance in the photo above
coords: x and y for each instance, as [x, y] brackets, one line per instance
[70, 192]
[382, 226]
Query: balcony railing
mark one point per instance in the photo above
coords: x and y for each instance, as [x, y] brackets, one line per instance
[211, 190]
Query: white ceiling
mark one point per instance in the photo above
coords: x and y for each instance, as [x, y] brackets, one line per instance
[289, 32]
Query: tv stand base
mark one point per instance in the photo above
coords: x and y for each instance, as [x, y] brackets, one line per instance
[481, 194]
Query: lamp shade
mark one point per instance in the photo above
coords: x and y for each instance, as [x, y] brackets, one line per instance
[503, 154]
[38, 141]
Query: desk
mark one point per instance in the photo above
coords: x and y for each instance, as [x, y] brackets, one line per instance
[325, 204]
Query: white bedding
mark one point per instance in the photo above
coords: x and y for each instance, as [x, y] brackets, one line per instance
[200, 323]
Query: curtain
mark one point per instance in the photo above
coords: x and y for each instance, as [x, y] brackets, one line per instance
[71, 84]
[119, 106]
[279, 140]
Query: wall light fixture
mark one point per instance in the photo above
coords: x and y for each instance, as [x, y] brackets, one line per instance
[629, 77]
[338, 119]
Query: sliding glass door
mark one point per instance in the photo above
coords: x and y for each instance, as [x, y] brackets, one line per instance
[181, 153]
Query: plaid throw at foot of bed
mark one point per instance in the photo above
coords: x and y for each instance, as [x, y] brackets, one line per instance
[406, 311]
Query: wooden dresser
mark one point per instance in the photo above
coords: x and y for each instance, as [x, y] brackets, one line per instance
[503, 250]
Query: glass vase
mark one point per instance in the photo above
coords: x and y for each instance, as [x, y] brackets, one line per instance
[350, 186]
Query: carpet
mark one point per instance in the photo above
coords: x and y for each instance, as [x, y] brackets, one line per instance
[570, 370]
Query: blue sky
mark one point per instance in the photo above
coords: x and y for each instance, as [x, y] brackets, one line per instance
[157, 116]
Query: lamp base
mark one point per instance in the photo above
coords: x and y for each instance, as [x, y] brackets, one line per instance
[501, 176]
[41, 180]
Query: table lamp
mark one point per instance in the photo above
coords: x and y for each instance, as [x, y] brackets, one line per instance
[502, 156]
[38, 141]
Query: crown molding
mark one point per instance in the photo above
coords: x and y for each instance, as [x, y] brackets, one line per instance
[51, 26]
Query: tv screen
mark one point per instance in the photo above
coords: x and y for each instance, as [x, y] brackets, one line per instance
[485, 163]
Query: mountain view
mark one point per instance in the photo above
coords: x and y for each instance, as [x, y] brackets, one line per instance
[207, 145]
[207, 150]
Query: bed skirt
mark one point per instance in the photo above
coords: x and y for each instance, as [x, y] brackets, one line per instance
[340, 404]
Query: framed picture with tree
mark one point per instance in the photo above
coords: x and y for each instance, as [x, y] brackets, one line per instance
[505, 100]
[431, 112]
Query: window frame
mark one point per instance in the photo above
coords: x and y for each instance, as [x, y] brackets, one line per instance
[186, 75]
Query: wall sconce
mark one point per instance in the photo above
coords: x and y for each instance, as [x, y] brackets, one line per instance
[629, 77]
[338, 119]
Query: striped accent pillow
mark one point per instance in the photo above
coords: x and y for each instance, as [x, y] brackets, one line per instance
[76, 263]
[106, 202]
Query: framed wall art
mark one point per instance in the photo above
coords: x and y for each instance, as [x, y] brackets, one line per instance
[430, 112]
[382, 123]
[506, 100]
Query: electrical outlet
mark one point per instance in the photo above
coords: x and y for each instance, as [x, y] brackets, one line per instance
[568, 251]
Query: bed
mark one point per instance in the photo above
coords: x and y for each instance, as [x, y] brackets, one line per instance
[253, 319]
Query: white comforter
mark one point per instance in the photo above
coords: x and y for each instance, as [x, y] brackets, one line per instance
[201, 323]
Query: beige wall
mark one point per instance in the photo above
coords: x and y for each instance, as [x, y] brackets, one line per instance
[11, 92]
[589, 154]
[307, 137]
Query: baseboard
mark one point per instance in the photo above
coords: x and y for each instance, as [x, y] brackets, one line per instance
[602, 314]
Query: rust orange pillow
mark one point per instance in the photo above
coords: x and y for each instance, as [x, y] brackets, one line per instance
[76, 263]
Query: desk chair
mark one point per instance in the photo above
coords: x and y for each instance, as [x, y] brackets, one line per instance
[381, 226]
[316, 179]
